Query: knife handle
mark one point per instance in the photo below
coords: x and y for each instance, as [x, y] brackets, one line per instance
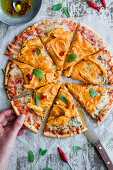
[104, 156]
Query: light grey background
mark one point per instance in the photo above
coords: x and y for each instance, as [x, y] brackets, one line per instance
[80, 160]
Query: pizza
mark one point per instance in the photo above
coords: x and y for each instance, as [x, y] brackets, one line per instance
[97, 101]
[44, 52]
[21, 77]
[96, 69]
[36, 113]
[56, 34]
[64, 120]
[86, 42]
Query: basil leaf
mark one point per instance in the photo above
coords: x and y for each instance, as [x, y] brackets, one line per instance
[30, 156]
[92, 92]
[77, 148]
[3, 70]
[66, 12]
[72, 57]
[57, 7]
[38, 51]
[64, 99]
[47, 169]
[37, 100]
[38, 72]
[42, 152]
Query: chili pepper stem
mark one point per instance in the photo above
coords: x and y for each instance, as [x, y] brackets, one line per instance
[69, 165]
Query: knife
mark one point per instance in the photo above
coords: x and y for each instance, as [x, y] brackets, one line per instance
[93, 138]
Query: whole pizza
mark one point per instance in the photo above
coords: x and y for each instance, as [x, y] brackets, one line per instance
[40, 56]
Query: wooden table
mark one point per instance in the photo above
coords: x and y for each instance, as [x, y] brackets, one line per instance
[88, 160]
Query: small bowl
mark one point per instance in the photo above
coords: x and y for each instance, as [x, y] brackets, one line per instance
[20, 20]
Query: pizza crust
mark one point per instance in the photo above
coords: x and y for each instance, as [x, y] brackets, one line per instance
[25, 123]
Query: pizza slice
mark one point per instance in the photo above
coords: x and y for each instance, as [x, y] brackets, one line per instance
[97, 69]
[36, 106]
[56, 34]
[85, 43]
[64, 120]
[21, 77]
[97, 101]
[27, 48]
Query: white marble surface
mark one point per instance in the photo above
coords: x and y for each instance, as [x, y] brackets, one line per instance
[80, 160]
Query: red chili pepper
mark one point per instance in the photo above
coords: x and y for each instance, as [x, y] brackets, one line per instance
[43, 97]
[103, 3]
[63, 156]
[93, 5]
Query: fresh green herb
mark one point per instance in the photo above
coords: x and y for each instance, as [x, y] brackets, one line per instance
[3, 70]
[37, 100]
[64, 99]
[78, 148]
[30, 156]
[92, 92]
[47, 169]
[38, 51]
[66, 12]
[42, 152]
[72, 57]
[38, 72]
[57, 7]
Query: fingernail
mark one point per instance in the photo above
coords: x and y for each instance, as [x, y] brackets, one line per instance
[22, 117]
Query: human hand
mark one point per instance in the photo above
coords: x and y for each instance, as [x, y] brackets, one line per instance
[8, 134]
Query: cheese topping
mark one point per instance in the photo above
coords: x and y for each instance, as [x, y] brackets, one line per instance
[57, 43]
[82, 48]
[34, 80]
[46, 96]
[28, 54]
[82, 93]
[61, 111]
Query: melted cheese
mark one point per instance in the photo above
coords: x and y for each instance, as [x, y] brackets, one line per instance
[82, 48]
[56, 42]
[36, 81]
[50, 91]
[61, 113]
[82, 94]
[28, 55]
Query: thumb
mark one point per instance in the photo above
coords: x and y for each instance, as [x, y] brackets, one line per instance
[17, 125]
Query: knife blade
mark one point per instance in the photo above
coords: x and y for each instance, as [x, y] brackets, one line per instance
[94, 139]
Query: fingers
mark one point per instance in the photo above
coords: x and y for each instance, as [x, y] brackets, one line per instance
[17, 125]
[8, 119]
[5, 114]
[9, 127]
[21, 132]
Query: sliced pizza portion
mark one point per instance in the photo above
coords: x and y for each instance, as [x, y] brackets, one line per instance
[36, 106]
[56, 34]
[85, 43]
[97, 69]
[64, 120]
[97, 101]
[27, 48]
[21, 77]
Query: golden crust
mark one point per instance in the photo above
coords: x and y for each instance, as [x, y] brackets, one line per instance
[25, 123]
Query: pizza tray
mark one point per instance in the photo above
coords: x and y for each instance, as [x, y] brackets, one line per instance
[21, 20]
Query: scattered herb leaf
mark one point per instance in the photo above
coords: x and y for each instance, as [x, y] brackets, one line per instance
[72, 57]
[64, 99]
[3, 70]
[77, 148]
[30, 156]
[47, 169]
[38, 72]
[42, 152]
[37, 100]
[92, 92]
[66, 12]
[57, 7]
[38, 51]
